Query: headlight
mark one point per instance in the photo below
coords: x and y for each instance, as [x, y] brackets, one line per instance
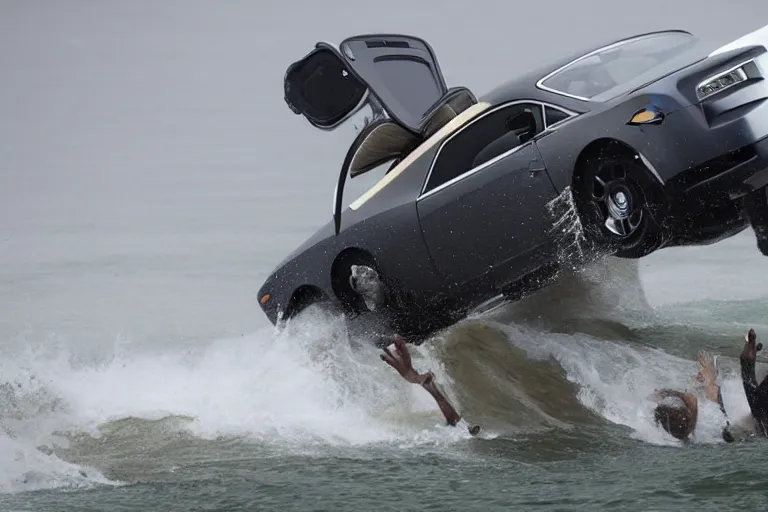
[722, 81]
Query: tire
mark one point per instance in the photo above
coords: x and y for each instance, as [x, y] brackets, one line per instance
[621, 204]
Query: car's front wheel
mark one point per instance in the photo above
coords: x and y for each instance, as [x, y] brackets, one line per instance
[620, 203]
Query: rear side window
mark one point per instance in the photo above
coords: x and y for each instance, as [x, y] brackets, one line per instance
[554, 115]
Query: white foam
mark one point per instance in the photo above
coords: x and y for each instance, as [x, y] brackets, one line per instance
[27, 424]
[618, 379]
[305, 388]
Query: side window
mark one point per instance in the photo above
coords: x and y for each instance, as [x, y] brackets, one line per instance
[554, 115]
[486, 138]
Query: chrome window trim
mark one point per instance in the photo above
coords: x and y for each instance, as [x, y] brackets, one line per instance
[424, 194]
[540, 82]
[565, 111]
[428, 145]
[472, 171]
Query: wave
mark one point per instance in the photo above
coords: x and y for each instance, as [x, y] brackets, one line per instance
[556, 362]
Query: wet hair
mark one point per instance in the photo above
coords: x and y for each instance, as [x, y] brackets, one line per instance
[678, 421]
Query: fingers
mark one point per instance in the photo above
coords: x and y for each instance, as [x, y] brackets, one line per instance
[391, 360]
[400, 346]
[402, 351]
[752, 338]
[705, 358]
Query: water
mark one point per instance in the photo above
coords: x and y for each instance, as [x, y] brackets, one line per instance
[148, 184]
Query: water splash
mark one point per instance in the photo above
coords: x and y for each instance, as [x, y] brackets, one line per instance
[310, 389]
[574, 249]
[28, 412]
[305, 389]
[513, 375]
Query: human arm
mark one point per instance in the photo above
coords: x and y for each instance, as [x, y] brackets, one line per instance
[747, 360]
[692, 403]
[451, 415]
[708, 375]
[401, 362]
[757, 395]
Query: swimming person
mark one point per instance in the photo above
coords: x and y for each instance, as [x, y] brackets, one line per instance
[678, 411]
[680, 419]
[401, 362]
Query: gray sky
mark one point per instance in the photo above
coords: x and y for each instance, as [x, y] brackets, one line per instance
[119, 95]
[157, 128]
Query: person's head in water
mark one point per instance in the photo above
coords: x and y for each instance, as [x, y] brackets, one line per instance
[678, 421]
[676, 412]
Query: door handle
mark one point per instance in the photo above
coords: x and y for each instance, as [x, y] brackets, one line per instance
[535, 167]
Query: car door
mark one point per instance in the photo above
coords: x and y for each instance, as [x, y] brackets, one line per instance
[401, 71]
[394, 73]
[484, 199]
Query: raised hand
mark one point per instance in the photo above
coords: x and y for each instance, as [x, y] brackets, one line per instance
[707, 368]
[749, 353]
[402, 362]
[708, 373]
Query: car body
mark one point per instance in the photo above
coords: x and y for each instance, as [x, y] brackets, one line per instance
[466, 206]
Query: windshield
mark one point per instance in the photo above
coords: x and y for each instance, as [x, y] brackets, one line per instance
[614, 65]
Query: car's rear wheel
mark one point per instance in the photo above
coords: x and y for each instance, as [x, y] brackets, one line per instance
[621, 204]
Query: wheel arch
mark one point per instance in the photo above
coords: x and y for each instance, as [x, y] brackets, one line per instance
[301, 298]
[343, 291]
[598, 147]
